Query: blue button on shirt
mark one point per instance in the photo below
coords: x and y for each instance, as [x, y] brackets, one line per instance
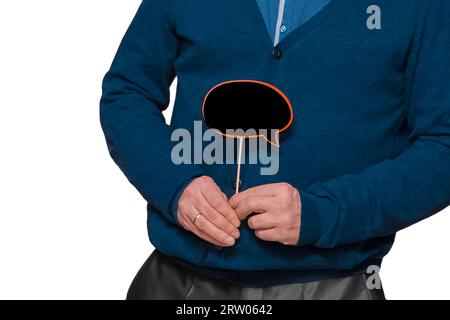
[284, 16]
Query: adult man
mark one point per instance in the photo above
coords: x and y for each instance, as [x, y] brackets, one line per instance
[368, 152]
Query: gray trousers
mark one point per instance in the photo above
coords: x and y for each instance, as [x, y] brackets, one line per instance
[162, 278]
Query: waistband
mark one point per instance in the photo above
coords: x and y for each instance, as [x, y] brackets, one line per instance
[268, 278]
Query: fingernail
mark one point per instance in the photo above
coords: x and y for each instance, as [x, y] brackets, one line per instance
[235, 234]
[229, 241]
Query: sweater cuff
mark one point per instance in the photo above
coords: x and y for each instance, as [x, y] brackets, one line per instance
[160, 182]
[314, 218]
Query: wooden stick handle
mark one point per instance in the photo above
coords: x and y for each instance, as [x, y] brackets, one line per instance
[239, 159]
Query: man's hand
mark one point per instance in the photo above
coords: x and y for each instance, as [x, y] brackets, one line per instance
[204, 210]
[279, 209]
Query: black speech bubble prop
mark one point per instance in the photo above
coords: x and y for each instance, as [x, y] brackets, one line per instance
[247, 104]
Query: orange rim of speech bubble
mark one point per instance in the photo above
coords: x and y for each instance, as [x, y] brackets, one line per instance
[275, 142]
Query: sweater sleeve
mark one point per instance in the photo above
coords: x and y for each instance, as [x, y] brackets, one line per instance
[396, 193]
[135, 92]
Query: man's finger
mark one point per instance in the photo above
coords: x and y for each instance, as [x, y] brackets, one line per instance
[211, 230]
[261, 221]
[189, 225]
[216, 218]
[215, 198]
[267, 234]
[259, 204]
[263, 190]
[206, 237]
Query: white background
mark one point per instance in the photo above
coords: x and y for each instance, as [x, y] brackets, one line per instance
[71, 226]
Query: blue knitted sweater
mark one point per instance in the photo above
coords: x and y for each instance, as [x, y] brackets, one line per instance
[369, 148]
